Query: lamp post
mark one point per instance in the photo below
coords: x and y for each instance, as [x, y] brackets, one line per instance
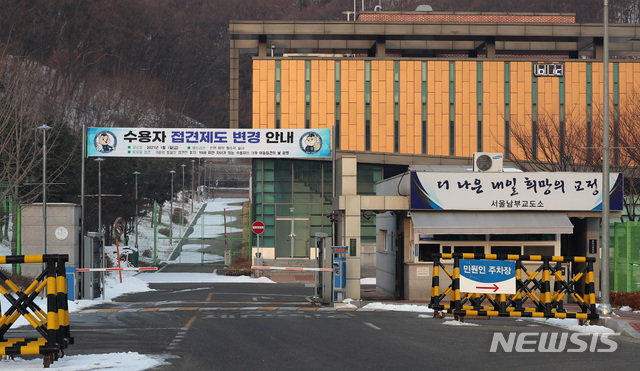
[99, 161]
[135, 218]
[206, 190]
[171, 212]
[44, 129]
[102, 258]
[605, 306]
[193, 162]
[182, 199]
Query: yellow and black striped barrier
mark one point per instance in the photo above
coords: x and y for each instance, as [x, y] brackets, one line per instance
[52, 325]
[533, 297]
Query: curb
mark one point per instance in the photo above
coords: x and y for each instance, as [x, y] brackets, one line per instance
[619, 326]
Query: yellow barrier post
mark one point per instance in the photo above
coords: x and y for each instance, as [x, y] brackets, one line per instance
[545, 304]
[52, 325]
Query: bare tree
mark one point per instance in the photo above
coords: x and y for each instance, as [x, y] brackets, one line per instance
[548, 144]
[21, 147]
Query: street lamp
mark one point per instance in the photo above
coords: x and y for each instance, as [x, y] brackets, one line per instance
[182, 198]
[605, 306]
[171, 213]
[192, 194]
[44, 129]
[206, 190]
[99, 161]
[135, 218]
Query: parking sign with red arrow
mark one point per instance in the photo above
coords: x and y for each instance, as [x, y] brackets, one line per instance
[488, 276]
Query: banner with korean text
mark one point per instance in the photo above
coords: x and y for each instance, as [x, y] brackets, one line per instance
[513, 191]
[149, 142]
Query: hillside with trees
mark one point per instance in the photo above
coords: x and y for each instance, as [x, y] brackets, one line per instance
[151, 63]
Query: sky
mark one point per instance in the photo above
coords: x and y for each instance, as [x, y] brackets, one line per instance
[133, 282]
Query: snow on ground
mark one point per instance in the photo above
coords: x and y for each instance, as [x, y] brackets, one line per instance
[129, 361]
[573, 324]
[368, 281]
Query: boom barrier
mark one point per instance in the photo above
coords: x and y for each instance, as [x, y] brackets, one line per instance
[533, 297]
[52, 325]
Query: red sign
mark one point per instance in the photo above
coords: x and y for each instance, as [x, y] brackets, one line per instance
[257, 227]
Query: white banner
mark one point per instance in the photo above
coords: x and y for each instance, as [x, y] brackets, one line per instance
[149, 142]
[513, 191]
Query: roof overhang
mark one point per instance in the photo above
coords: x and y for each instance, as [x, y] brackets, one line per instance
[491, 222]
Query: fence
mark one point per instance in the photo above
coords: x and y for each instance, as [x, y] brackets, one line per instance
[625, 265]
[533, 297]
[53, 324]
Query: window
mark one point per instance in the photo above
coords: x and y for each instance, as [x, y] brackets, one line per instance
[469, 249]
[382, 240]
[513, 250]
[426, 251]
[539, 250]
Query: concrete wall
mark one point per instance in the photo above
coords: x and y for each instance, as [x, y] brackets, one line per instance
[386, 258]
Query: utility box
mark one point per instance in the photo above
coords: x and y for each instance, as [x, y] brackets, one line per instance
[339, 254]
[91, 282]
[63, 233]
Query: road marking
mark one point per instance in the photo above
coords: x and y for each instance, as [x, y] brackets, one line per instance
[190, 322]
[209, 297]
[372, 326]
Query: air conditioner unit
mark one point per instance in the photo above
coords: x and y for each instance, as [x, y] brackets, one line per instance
[487, 162]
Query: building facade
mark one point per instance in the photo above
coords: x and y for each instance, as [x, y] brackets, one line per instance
[416, 88]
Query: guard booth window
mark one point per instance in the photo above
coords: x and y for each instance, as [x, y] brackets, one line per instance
[513, 250]
[463, 249]
[426, 251]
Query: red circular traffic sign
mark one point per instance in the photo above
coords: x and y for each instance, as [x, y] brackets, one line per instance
[257, 227]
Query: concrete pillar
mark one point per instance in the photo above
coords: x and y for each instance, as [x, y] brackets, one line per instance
[381, 48]
[491, 49]
[347, 176]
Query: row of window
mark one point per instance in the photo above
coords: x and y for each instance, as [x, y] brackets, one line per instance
[425, 251]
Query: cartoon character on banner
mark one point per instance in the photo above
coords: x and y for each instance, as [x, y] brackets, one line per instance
[310, 143]
[105, 142]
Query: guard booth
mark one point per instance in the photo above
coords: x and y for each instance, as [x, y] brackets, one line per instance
[503, 213]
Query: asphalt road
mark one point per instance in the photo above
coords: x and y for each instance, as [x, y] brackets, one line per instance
[275, 327]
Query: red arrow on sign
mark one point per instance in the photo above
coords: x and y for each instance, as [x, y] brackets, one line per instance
[494, 288]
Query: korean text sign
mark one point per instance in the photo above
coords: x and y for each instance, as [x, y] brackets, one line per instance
[252, 143]
[513, 191]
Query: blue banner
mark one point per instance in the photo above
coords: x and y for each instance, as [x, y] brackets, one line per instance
[251, 143]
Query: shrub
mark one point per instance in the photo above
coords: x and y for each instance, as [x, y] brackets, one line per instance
[22, 281]
[629, 299]
[240, 266]
[164, 231]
